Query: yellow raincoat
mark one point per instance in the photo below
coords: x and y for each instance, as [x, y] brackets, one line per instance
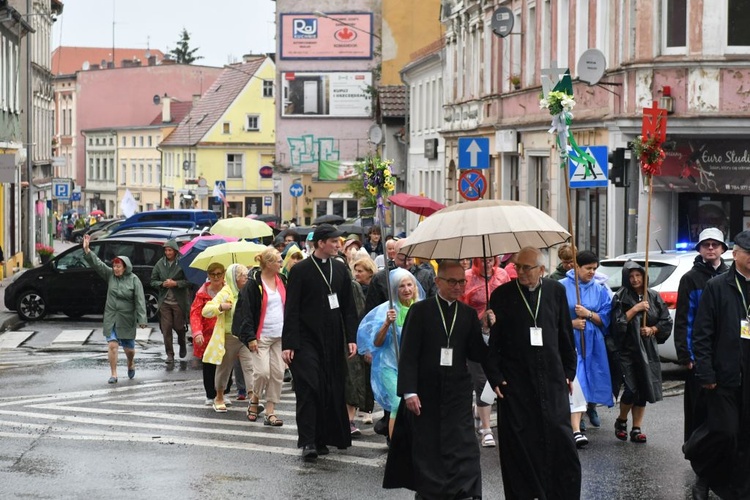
[215, 349]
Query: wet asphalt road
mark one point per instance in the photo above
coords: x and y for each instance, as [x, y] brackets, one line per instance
[65, 433]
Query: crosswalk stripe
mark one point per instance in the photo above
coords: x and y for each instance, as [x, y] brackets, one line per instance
[11, 340]
[72, 337]
[232, 433]
[143, 334]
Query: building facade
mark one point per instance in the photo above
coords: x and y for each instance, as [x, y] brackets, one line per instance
[688, 56]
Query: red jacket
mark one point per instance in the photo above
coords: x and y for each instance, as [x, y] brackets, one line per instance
[199, 324]
[476, 294]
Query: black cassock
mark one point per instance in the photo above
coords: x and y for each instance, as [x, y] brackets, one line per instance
[436, 453]
[319, 336]
[538, 456]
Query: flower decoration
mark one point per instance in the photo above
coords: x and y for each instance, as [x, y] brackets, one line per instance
[43, 249]
[650, 154]
[377, 176]
[557, 102]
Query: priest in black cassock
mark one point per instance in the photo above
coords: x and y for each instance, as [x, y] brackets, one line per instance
[320, 331]
[531, 348]
[433, 449]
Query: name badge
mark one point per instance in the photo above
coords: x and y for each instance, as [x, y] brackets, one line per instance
[745, 329]
[333, 301]
[535, 336]
[446, 356]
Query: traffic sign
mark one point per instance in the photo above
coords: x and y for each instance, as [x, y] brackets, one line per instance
[221, 186]
[75, 196]
[473, 152]
[583, 175]
[296, 190]
[267, 201]
[61, 189]
[472, 184]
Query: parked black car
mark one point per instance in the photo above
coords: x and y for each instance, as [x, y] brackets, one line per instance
[67, 284]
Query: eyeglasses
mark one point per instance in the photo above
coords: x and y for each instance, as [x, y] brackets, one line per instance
[453, 282]
[711, 244]
[216, 275]
[526, 269]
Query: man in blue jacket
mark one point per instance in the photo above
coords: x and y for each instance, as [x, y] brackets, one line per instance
[719, 448]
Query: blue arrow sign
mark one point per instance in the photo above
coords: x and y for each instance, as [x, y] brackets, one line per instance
[590, 176]
[296, 190]
[473, 152]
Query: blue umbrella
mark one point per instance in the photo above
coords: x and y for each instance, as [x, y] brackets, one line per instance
[197, 276]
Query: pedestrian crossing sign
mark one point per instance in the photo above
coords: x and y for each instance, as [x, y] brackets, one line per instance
[584, 175]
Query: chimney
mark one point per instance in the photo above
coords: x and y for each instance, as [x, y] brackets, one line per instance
[166, 109]
[196, 98]
[152, 60]
[246, 58]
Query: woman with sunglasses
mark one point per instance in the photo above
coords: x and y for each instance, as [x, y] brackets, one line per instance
[202, 328]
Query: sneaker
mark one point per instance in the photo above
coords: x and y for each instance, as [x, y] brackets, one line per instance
[488, 440]
[593, 416]
[241, 396]
[583, 425]
[209, 402]
[580, 440]
[354, 430]
[367, 419]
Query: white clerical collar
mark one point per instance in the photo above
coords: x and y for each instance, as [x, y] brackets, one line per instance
[532, 288]
[449, 302]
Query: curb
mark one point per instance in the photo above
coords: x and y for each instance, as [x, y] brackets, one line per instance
[10, 321]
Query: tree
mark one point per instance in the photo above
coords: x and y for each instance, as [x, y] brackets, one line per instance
[183, 54]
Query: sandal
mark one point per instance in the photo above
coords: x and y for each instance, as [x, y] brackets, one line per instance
[580, 440]
[273, 421]
[621, 429]
[252, 412]
[488, 440]
[637, 436]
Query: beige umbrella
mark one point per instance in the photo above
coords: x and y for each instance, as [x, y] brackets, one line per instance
[241, 227]
[483, 228]
[234, 252]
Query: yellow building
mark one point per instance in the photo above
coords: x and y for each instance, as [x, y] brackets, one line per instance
[407, 27]
[228, 138]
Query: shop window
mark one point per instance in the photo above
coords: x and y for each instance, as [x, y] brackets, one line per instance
[738, 18]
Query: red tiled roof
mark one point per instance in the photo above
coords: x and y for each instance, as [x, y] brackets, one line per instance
[213, 103]
[392, 101]
[179, 110]
[68, 60]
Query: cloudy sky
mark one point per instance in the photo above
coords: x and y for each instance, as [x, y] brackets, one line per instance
[223, 30]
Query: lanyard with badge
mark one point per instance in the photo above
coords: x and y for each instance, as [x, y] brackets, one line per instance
[535, 333]
[333, 300]
[446, 353]
[744, 324]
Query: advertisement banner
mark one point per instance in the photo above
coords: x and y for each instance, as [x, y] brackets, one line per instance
[706, 166]
[327, 94]
[333, 36]
[336, 170]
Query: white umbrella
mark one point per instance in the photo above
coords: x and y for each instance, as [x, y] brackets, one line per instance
[482, 229]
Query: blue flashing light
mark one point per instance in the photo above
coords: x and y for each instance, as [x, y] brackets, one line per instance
[682, 246]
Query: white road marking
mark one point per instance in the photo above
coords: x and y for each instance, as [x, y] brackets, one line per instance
[73, 337]
[11, 340]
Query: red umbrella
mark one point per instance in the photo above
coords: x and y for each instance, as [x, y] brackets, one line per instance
[420, 205]
[96, 212]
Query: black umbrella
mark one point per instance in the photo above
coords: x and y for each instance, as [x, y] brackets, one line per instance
[268, 218]
[302, 230]
[351, 228]
[329, 219]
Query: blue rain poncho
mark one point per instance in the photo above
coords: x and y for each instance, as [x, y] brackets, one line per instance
[384, 373]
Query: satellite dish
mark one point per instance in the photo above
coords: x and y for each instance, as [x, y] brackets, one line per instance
[157, 99]
[375, 134]
[591, 66]
[86, 66]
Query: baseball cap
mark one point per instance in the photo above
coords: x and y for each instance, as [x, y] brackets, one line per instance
[712, 233]
[326, 231]
[742, 240]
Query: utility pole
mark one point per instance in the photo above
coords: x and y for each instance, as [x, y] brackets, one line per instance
[29, 247]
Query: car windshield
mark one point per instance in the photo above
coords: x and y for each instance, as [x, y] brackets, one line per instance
[658, 272]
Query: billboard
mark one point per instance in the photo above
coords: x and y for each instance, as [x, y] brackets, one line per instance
[327, 94]
[333, 36]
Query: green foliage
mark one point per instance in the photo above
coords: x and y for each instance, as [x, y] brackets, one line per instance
[183, 54]
[356, 186]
